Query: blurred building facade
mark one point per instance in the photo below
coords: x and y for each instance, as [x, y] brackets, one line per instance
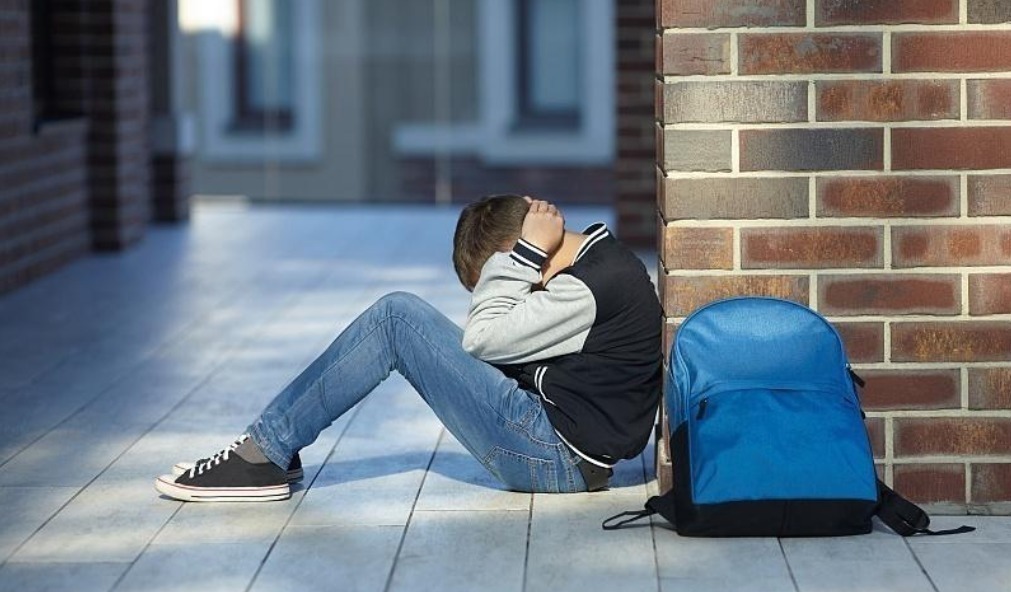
[90, 149]
[115, 111]
[387, 100]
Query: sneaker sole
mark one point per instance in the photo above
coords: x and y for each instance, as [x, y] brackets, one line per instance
[180, 468]
[166, 485]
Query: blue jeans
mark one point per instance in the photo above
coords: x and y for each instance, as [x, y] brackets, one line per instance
[501, 424]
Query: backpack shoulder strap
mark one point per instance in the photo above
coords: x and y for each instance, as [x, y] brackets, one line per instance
[905, 517]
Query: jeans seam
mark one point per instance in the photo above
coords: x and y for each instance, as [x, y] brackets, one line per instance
[533, 464]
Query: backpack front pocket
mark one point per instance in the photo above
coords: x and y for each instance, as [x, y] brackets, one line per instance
[764, 444]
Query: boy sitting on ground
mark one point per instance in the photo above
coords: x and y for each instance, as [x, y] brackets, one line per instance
[554, 379]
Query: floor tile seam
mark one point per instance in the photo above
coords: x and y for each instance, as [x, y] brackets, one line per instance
[237, 289]
[229, 352]
[177, 337]
[529, 538]
[410, 516]
[652, 531]
[211, 373]
[305, 492]
[919, 564]
[217, 368]
[789, 568]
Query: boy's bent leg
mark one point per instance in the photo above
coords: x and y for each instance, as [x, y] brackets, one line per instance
[498, 422]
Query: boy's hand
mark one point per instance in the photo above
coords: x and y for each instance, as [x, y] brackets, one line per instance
[543, 226]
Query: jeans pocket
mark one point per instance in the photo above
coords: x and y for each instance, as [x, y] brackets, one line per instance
[520, 472]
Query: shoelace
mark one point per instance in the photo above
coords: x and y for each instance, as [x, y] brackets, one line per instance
[217, 458]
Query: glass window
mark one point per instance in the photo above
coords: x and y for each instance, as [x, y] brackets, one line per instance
[548, 73]
[264, 67]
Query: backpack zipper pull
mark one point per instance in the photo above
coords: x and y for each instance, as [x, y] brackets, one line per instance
[702, 408]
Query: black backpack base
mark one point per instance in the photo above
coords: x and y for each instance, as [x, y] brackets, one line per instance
[797, 518]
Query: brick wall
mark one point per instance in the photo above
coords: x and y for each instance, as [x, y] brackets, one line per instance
[635, 178]
[43, 209]
[77, 174]
[116, 51]
[856, 157]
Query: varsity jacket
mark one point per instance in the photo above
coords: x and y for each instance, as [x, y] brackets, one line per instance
[588, 343]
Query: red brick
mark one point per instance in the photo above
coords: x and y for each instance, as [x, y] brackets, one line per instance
[991, 483]
[931, 483]
[911, 389]
[871, 12]
[865, 342]
[965, 341]
[950, 246]
[887, 197]
[876, 434]
[698, 248]
[889, 294]
[682, 54]
[683, 294]
[951, 148]
[733, 198]
[955, 436]
[990, 195]
[990, 293]
[731, 13]
[989, 99]
[808, 53]
[810, 248]
[990, 388]
[889, 100]
[953, 51]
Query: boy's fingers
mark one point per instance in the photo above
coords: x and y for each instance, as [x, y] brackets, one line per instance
[528, 199]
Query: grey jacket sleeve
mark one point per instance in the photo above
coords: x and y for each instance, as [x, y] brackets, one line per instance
[509, 323]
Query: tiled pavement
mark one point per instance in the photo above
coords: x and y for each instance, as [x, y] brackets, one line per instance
[117, 366]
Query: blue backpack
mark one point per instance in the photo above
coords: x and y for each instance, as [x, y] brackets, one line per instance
[767, 433]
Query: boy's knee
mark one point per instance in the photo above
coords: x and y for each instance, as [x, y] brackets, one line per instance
[399, 302]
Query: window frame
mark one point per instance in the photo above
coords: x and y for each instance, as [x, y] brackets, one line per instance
[529, 116]
[494, 137]
[246, 117]
[221, 142]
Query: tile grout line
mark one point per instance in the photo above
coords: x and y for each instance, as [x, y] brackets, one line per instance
[410, 516]
[305, 491]
[526, 551]
[240, 287]
[919, 564]
[652, 531]
[789, 568]
[210, 374]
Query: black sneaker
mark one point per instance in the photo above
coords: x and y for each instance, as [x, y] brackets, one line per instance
[295, 472]
[227, 477]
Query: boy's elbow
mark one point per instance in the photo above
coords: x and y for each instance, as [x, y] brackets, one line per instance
[472, 344]
[476, 345]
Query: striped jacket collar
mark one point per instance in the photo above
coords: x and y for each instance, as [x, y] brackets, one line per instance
[594, 234]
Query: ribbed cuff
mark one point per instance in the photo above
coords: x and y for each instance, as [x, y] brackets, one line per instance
[529, 255]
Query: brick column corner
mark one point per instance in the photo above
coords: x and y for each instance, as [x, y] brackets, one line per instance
[819, 151]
